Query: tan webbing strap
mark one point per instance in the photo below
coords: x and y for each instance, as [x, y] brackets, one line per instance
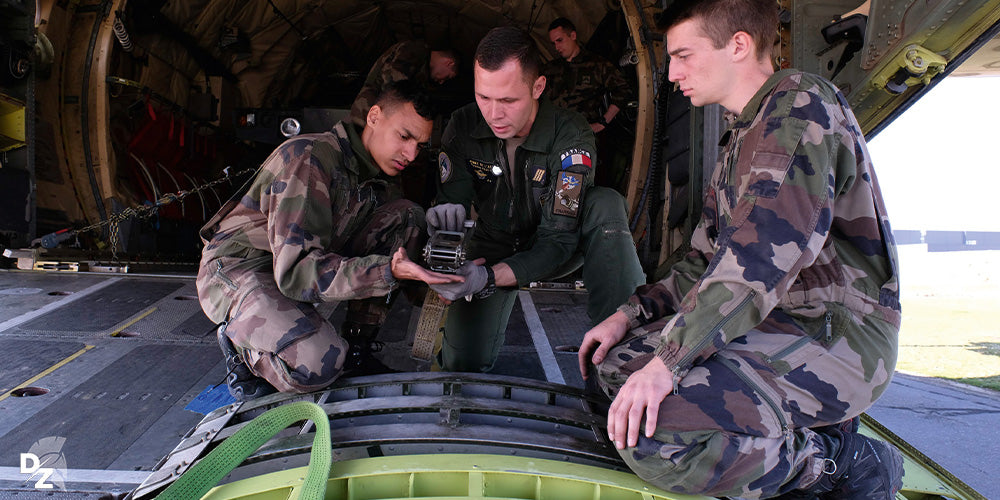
[428, 326]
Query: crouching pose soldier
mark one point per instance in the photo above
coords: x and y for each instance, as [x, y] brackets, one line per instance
[526, 167]
[323, 221]
[742, 372]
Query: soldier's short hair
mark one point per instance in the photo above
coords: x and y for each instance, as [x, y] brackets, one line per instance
[505, 43]
[562, 22]
[400, 92]
[450, 53]
[721, 19]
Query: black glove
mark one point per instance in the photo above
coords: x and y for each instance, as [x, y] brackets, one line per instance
[445, 217]
[476, 278]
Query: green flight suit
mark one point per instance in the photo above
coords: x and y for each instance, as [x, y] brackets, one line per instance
[535, 214]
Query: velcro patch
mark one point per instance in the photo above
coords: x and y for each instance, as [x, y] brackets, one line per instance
[572, 157]
[568, 193]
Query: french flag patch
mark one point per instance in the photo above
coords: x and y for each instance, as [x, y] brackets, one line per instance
[575, 157]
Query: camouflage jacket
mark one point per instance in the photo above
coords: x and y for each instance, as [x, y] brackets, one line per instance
[794, 229]
[528, 211]
[407, 60]
[309, 198]
[580, 84]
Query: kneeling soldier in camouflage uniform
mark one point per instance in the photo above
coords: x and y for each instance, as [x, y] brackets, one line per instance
[322, 221]
[741, 372]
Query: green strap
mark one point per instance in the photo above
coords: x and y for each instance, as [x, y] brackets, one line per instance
[223, 459]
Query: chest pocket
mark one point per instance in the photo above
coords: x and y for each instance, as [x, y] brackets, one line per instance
[538, 179]
[774, 145]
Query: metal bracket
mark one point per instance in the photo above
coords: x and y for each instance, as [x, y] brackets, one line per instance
[912, 66]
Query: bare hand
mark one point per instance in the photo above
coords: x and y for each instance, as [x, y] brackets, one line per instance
[641, 395]
[405, 269]
[596, 127]
[603, 337]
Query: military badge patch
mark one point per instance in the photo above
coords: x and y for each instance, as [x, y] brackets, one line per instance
[538, 177]
[572, 157]
[444, 164]
[568, 193]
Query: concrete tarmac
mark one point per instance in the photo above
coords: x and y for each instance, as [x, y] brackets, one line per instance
[956, 425]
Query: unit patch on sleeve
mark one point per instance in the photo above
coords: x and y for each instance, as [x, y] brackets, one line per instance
[574, 156]
[444, 164]
[568, 192]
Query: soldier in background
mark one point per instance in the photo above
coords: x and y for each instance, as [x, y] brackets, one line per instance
[580, 79]
[586, 82]
[322, 221]
[742, 373]
[409, 60]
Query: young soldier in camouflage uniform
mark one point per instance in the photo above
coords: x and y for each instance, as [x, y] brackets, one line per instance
[746, 365]
[526, 167]
[321, 222]
[409, 60]
[579, 79]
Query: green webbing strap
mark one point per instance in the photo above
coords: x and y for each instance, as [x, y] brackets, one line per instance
[222, 460]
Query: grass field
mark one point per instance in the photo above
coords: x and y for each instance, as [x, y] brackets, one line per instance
[951, 307]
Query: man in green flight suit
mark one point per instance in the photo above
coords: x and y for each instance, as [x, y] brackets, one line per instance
[526, 167]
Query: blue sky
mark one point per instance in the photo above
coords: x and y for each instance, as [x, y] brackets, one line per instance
[939, 163]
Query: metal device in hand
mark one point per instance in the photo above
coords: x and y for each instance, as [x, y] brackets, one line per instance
[445, 250]
[444, 253]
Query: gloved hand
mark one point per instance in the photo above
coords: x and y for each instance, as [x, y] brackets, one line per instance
[475, 280]
[445, 217]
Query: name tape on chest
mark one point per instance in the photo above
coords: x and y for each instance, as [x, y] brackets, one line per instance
[483, 170]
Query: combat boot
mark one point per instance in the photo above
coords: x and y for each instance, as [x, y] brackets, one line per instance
[863, 469]
[243, 384]
[361, 358]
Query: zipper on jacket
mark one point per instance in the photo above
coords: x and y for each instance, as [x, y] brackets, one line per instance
[222, 276]
[757, 390]
[826, 331]
[829, 326]
[501, 157]
[708, 337]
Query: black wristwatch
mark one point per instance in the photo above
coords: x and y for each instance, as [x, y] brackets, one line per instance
[602, 121]
[491, 284]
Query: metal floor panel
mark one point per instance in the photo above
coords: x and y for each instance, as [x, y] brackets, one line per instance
[98, 313]
[22, 359]
[22, 292]
[103, 416]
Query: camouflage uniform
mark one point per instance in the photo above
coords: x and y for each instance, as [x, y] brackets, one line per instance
[785, 314]
[404, 61]
[532, 215]
[317, 225]
[580, 84]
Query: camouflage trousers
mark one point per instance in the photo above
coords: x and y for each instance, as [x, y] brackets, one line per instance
[739, 424]
[287, 342]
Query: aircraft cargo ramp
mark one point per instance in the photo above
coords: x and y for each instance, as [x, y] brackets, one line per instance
[107, 380]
